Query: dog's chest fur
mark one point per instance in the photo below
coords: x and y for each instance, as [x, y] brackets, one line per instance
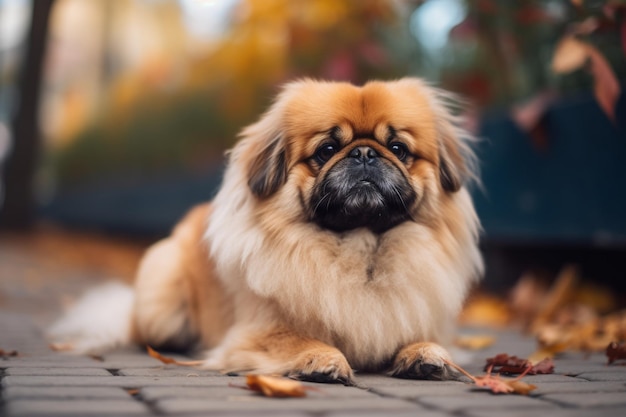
[369, 296]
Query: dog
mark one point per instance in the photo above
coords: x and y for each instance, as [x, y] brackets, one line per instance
[343, 238]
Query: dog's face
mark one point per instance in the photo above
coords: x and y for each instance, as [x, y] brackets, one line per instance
[356, 157]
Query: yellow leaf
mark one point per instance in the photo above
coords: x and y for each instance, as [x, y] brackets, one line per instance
[275, 387]
[475, 342]
[570, 55]
[166, 360]
[521, 387]
[486, 310]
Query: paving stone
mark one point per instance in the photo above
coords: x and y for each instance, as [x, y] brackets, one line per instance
[12, 393]
[162, 371]
[563, 412]
[321, 391]
[611, 375]
[422, 390]
[484, 400]
[374, 380]
[575, 366]
[548, 379]
[134, 360]
[110, 407]
[597, 399]
[582, 387]
[51, 361]
[257, 413]
[254, 402]
[117, 381]
[57, 371]
[422, 413]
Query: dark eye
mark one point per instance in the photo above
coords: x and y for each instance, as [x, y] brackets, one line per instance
[325, 152]
[399, 150]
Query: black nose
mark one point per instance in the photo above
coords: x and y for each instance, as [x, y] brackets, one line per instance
[363, 154]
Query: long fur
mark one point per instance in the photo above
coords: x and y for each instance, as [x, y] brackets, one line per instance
[264, 289]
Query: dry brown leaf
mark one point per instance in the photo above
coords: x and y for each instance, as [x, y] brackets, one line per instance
[61, 347]
[600, 299]
[275, 387]
[4, 354]
[514, 365]
[475, 342]
[496, 384]
[526, 297]
[487, 311]
[548, 352]
[521, 387]
[616, 351]
[560, 292]
[167, 360]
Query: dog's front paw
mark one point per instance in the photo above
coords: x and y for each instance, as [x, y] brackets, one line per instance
[323, 365]
[422, 361]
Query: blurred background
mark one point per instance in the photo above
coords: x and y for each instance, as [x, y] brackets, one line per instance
[114, 115]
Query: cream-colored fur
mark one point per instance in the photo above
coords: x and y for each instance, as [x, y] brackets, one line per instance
[264, 289]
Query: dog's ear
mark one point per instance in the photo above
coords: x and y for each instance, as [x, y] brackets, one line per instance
[452, 168]
[263, 151]
[268, 169]
[457, 161]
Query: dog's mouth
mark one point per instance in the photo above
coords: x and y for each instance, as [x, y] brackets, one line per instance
[348, 197]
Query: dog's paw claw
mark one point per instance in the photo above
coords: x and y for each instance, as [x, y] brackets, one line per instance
[322, 377]
[329, 367]
[423, 361]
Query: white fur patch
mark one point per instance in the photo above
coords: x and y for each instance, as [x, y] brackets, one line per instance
[99, 321]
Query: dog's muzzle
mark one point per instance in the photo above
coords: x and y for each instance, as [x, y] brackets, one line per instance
[362, 190]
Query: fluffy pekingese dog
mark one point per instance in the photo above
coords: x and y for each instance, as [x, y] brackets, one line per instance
[342, 238]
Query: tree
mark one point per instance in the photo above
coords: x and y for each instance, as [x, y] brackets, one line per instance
[17, 210]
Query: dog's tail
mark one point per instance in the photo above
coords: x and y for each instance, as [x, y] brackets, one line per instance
[101, 320]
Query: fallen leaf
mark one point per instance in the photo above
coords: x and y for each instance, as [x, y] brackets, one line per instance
[560, 292]
[547, 353]
[166, 360]
[5, 354]
[521, 387]
[514, 365]
[475, 342]
[484, 310]
[496, 384]
[526, 296]
[275, 387]
[61, 347]
[616, 351]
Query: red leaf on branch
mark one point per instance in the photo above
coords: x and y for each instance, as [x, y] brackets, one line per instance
[571, 54]
[606, 86]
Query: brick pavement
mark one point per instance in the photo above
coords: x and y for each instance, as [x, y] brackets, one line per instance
[40, 382]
